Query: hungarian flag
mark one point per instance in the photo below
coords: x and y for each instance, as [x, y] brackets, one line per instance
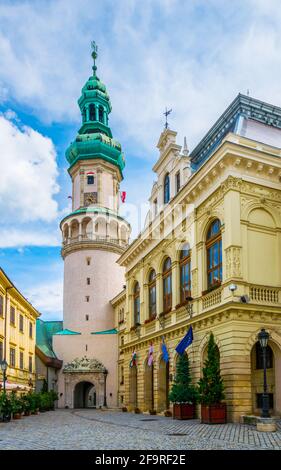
[133, 360]
[150, 356]
[123, 196]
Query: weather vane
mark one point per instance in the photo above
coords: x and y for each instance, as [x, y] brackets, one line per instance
[94, 54]
[166, 113]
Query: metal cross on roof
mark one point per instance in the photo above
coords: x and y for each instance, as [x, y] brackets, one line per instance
[94, 54]
[166, 113]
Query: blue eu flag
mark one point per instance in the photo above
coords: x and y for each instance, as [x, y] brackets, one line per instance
[185, 342]
[165, 353]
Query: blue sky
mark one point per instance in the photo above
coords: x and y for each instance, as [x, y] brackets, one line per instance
[193, 56]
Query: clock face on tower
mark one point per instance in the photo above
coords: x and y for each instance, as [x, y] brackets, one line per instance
[90, 198]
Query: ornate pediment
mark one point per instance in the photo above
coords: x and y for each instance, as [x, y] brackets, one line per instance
[84, 364]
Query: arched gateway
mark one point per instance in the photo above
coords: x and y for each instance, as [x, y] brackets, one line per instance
[85, 383]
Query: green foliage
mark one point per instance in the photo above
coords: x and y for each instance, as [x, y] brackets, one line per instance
[17, 403]
[5, 403]
[32, 401]
[211, 385]
[182, 389]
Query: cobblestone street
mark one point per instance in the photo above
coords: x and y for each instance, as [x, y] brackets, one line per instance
[96, 429]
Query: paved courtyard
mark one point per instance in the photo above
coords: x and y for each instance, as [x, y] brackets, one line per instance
[97, 429]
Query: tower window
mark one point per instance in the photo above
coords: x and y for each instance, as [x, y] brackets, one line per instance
[88, 261]
[92, 112]
[90, 179]
[87, 317]
[100, 114]
[88, 281]
[87, 298]
[86, 347]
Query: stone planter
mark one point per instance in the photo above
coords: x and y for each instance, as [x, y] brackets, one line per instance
[213, 414]
[184, 411]
[266, 424]
[17, 416]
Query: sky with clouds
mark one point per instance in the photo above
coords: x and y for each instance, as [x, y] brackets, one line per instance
[193, 56]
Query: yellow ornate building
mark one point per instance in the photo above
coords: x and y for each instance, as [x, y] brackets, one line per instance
[209, 256]
[17, 336]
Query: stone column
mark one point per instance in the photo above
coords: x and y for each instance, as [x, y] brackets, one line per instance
[97, 112]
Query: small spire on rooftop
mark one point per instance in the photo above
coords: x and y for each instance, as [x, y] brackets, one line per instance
[185, 150]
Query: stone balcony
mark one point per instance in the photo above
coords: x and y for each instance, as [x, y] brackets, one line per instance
[92, 240]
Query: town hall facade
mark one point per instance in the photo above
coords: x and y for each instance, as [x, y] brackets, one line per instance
[209, 257]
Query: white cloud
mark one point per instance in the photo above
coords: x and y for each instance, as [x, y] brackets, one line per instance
[28, 174]
[47, 298]
[192, 56]
[13, 237]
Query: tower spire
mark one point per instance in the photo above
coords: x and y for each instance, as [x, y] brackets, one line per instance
[185, 148]
[94, 56]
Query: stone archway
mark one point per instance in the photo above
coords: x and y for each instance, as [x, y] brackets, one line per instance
[85, 395]
[85, 383]
[163, 385]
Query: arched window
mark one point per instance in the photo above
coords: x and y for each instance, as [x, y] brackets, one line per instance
[214, 254]
[166, 189]
[152, 293]
[137, 304]
[167, 285]
[100, 113]
[92, 112]
[185, 279]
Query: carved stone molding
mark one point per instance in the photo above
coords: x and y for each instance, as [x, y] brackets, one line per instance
[84, 364]
[233, 262]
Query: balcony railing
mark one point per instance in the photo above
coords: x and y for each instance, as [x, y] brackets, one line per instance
[263, 294]
[96, 239]
[212, 298]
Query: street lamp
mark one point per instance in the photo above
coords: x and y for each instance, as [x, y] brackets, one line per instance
[263, 338]
[4, 366]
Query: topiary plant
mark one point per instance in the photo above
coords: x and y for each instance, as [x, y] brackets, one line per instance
[182, 389]
[211, 385]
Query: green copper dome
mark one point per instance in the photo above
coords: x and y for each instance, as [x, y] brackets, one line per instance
[94, 139]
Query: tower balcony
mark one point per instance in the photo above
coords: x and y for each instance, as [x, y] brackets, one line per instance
[92, 241]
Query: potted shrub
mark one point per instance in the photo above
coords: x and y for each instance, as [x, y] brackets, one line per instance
[27, 404]
[35, 403]
[211, 388]
[5, 408]
[152, 412]
[183, 394]
[16, 406]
